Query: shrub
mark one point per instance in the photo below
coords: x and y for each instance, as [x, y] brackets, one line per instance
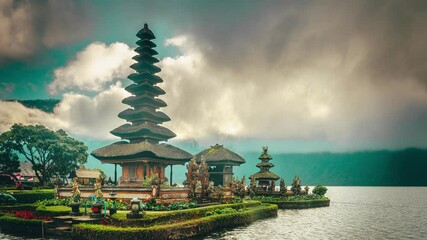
[32, 196]
[320, 190]
[54, 202]
[26, 206]
[12, 224]
[150, 205]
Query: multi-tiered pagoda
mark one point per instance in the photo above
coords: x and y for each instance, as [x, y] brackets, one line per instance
[265, 179]
[141, 154]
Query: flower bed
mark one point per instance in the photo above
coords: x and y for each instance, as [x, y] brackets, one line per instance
[22, 222]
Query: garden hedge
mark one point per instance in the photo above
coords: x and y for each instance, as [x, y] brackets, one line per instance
[26, 206]
[152, 218]
[32, 196]
[14, 225]
[302, 204]
[179, 230]
[54, 211]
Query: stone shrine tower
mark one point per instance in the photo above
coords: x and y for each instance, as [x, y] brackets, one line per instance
[141, 154]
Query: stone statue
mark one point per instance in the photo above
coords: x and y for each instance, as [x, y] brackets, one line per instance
[296, 185]
[192, 177]
[155, 184]
[306, 189]
[204, 178]
[75, 196]
[282, 186]
[98, 191]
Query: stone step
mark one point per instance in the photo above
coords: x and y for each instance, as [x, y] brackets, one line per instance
[84, 220]
[63, 218]
[62, 229]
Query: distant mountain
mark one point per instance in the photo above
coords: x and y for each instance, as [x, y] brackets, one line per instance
[368, 168]
[46, 105]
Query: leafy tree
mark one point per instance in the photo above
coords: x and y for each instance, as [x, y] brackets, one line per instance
[52, 153]
[9, 161]
[320, 190]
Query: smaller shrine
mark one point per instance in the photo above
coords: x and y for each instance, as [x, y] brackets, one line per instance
[264, 180]
[220, 161]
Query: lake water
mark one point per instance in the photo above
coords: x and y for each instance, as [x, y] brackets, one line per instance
[355, 213]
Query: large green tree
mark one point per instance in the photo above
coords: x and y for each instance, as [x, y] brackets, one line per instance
[9, 161]
[52, 153]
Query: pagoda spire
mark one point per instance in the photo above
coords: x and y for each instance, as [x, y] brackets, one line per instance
[265, 163]
[143, 117]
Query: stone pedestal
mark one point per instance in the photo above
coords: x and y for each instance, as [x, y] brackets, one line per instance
[75, 209]
[133, 215]
[97, 211]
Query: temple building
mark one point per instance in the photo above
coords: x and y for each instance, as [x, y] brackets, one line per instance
[265, 179]
[220, 161]
[140, 152]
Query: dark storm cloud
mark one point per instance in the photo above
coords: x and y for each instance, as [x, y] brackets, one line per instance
[27, 27]
[337, 70]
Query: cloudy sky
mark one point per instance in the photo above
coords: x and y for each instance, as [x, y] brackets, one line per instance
[294, 75]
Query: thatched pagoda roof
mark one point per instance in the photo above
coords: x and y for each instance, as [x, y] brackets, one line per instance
[218, 154]
[264, 176]
[133, 152]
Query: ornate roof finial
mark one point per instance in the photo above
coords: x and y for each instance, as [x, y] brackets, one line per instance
[265, 149]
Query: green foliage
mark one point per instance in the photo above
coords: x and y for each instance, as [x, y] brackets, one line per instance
[320, 190]
[178, 229]
[120, 205]
[222, 211]
[52, 153]
[11, 224]
[9, 161]
[235, 199]
[294, 198]
[54, 202]
[26, 206]
[32, 196]
[169, 207]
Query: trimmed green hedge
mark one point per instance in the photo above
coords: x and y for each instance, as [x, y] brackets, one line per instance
[302, 204]
[14, 225]
[26, 206]
[54, 211]
[191, 228]
[33, 196]
[152, 218]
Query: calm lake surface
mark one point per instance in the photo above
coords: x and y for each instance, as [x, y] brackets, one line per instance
[355, 213]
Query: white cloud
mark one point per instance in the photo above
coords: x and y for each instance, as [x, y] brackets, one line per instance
[80, 115]
[14, 112]
[94, 67]
[92, 117]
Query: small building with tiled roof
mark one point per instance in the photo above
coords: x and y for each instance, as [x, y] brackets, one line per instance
[87, 176]
[220, 161]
